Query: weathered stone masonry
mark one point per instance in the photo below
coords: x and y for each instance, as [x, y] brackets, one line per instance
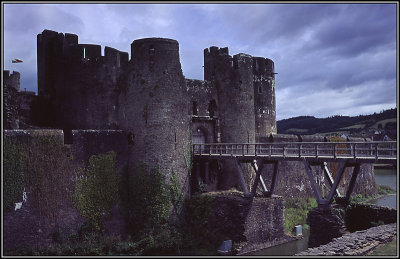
[147, 111]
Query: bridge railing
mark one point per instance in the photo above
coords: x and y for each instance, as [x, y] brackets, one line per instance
[371, 150]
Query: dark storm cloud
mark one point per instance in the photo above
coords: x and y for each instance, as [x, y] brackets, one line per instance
[357, 29]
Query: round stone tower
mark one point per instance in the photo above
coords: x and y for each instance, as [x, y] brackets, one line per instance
[233, 77]
[264, 97]
[154, 108]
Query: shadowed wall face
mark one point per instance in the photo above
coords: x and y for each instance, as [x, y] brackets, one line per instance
[154, 107]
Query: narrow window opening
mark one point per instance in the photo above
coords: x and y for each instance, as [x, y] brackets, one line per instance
[68, 137]
[212, 108]
[84, 52]
[175, 141]
[195, 109]
[131, 138]
[151, 49]
[260, 90]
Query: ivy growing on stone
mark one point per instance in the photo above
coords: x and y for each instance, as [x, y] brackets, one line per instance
[96, 190]
[48, 174]
[13, 173]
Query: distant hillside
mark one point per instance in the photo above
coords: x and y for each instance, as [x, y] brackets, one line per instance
[338, 124]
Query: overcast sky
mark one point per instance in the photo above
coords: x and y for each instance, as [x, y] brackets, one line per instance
[330, 58]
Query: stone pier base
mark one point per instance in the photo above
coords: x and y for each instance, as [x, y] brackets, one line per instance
[251, 223]
[325, 224]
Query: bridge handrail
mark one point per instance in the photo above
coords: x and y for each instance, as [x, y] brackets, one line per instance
[350, 149]
[317, 142]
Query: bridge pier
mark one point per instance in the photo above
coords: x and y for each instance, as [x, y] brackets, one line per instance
[325, 224]
[334, 192]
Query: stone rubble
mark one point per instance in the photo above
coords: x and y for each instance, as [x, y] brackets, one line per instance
[356, 243]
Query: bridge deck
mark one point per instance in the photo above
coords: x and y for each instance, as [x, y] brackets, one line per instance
[360, 152]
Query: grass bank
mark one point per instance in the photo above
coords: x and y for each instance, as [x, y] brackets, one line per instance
[296, 210]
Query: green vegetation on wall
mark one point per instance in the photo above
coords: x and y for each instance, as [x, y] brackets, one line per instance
[296, 211]
[48, 174]
[96, 190]
[197, 236]
[148, 201]
[13, 173]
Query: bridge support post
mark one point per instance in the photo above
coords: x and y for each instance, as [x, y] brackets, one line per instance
[258, 177]
[341, 169]
[356, 170]
[241, 179]
[312, 181]
[329, 177]
[273, 180]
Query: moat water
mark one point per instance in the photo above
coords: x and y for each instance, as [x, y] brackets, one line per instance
[386, 177]
[382, 177]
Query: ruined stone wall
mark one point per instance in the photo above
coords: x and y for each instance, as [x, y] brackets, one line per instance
[86, 143]
[17, 104]
[12, 80]
[11, 85]
[154, 107]
[28, 226]
[25, 99]
[255, 222]
[81, 85]
[203, 98]
[359, 243]
[233, 77]
[264, 97]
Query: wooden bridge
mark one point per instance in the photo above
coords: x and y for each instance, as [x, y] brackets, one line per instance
[348, 154]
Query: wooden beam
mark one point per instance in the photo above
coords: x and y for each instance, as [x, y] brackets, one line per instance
[312, 181]
[273, 179]
[258, 176]
[241, 178]
[354, 175]
[329, 177]
[341, 169]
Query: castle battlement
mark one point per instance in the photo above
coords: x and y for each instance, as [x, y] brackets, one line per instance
[12, 79]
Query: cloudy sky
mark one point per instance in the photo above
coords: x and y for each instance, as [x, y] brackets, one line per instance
[330, 58]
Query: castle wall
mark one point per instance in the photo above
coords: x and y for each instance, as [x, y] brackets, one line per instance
[11, 85]
[154, 107]
[233, 78]
[203, 98]
[27, 225]
[86, 143]
[25, 99]
[255, 223]
[81, 85]
[17, 104]
[12, 80]
[264, 97]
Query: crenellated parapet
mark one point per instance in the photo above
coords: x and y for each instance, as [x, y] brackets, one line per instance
[11, 79]
[78, 83]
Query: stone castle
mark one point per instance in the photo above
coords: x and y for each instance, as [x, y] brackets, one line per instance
[145, 110]
[149, 98]
[145, 107]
